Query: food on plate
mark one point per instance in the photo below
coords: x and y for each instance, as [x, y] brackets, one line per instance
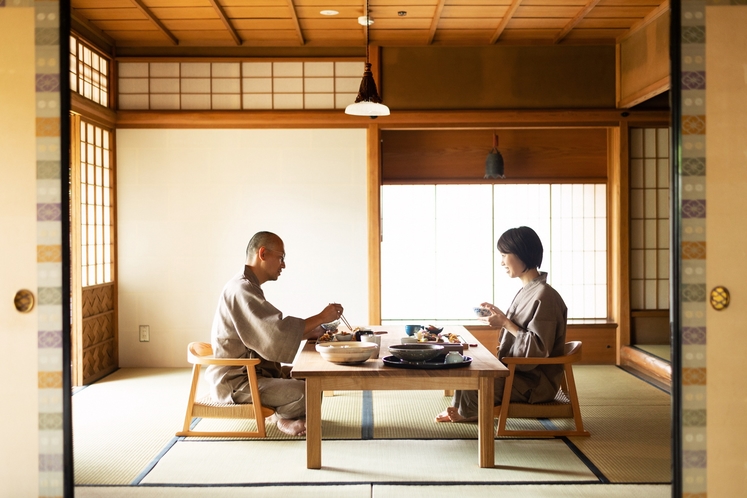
[343, 336]
[451, 338]
[425, 336]
[326, 337]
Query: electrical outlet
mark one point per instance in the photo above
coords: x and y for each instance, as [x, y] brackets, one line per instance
[145, 333]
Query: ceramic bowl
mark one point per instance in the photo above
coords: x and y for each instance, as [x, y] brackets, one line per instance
[482, 312]
[346, 353]
[343, 336]
[416, 352]
[331, 326]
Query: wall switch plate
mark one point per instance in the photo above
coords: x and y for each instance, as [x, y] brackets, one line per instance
[145, 333]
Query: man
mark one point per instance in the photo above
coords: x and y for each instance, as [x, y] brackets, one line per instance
[247, 326]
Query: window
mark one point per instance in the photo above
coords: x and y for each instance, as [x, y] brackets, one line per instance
[89, 72]
[649, 218]
[238, 85]
[439, 256]
[95, 205]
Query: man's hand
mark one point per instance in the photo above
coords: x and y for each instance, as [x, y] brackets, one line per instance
[330, 313]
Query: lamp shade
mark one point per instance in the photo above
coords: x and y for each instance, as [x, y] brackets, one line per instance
[368, 102]
[494, 164]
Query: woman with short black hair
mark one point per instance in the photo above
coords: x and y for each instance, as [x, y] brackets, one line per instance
[534, 326]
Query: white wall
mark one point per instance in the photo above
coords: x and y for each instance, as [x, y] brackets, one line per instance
[189, 201]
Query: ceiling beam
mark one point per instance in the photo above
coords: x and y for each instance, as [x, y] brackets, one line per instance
[77, 17]
[145, 10]
[292, 9]
[435, 20]
[576, 19]
[222, 14]
[504, 22]
[651, 17]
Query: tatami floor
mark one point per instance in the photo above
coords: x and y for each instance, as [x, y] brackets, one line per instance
[375, 444]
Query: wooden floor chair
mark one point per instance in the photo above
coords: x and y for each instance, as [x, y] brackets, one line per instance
[201, 353]
[565, 404]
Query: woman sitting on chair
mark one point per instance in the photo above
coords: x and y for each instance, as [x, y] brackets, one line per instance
[534, 326]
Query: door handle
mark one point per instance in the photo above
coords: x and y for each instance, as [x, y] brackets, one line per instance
[720, 298]
[24, 301]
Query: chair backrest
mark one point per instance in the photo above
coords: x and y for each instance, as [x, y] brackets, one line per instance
[198, 350]
[573, 348]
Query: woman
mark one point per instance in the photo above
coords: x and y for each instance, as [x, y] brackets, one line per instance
[534, 326]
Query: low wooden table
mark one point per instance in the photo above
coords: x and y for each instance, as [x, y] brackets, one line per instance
[321, 375]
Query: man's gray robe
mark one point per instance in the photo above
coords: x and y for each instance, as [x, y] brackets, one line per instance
[247, 326]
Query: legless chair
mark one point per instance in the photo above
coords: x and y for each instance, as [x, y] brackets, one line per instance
[200, 353]
[565, 404]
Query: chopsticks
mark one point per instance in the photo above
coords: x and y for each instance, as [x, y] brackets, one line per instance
[342, 317]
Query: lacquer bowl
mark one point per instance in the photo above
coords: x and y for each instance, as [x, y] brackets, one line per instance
[346, 352]
[416, 352]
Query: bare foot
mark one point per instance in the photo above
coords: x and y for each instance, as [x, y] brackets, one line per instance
[451, 414]
[292, 426]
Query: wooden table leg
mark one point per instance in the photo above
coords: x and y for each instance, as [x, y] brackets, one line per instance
[485, 436]
[314, 423]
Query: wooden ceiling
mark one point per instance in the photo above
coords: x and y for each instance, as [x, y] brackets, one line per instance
[299, 23]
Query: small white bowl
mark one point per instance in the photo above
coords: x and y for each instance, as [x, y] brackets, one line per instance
[343, 336]
[346, 353]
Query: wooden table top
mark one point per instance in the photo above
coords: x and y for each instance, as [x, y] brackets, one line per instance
[484, 363]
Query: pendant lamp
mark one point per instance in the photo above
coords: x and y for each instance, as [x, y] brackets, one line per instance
[368, 102]
[494, 161]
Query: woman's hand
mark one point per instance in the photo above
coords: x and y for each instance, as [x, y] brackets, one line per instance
[498, 319]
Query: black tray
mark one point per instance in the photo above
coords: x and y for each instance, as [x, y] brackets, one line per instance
[393, 361]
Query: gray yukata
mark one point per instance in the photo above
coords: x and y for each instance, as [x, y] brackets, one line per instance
[541, 314]
[247, 326]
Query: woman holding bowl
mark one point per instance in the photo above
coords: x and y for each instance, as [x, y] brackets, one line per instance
[533, 326]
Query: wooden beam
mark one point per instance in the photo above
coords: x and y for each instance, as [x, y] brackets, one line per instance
[576, 19]
[222, 14]
[506, 18]
[145, 10]
[292, 9]
[651, 17]
[373, 188]
[76, 17]
[333, 118]
[646, 93]
[435, 20]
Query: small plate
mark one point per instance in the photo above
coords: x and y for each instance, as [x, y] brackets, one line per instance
[436, 363]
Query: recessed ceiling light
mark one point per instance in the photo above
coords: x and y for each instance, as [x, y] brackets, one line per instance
[329, 12]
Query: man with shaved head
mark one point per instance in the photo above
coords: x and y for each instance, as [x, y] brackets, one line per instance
[246, 325]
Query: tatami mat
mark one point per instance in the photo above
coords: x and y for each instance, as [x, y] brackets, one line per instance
[341, 419]
[338, 491]
[410, 415]
[612, 386]
[124, 420]
[374, 461]
[528, 490]
[628, 444]
[385, 491]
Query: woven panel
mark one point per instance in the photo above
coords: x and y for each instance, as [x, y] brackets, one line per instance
[559, 408]
[207, 408]
[99, 333]
[99, 360]
[97, 300]
[98, 329]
